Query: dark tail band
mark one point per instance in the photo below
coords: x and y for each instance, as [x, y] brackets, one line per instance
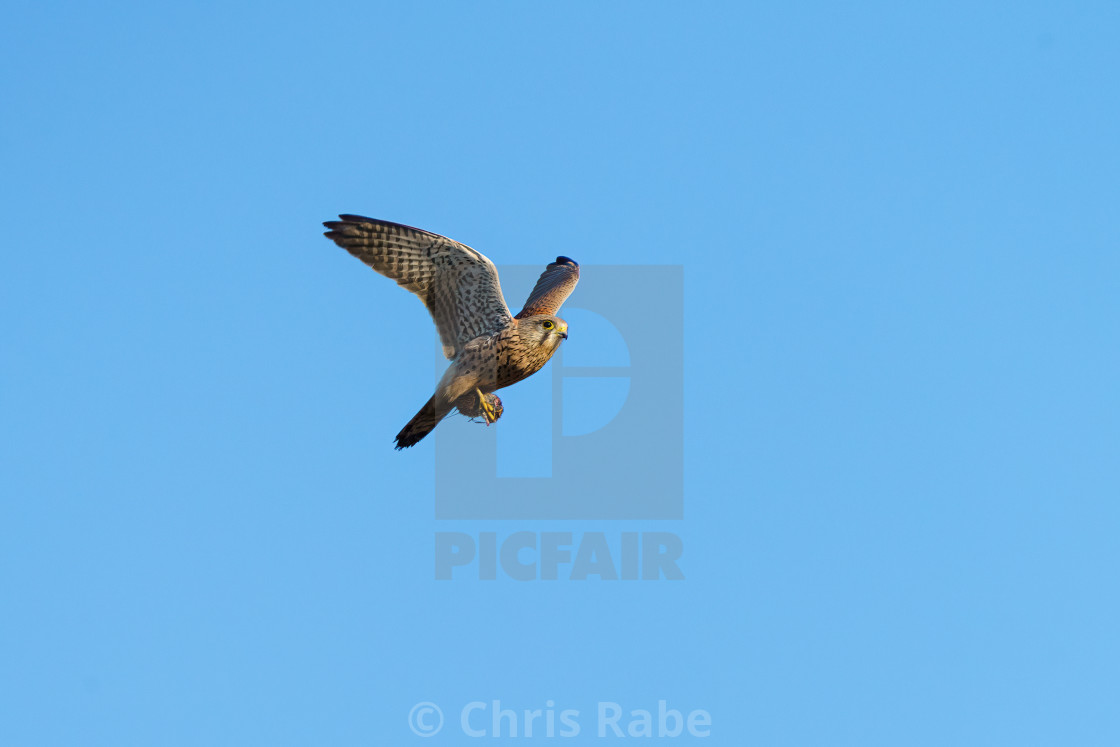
[421, 424]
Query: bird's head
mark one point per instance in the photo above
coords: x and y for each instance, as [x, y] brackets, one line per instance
[545, 330]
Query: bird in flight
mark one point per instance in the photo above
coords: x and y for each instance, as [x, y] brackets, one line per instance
[489, 348]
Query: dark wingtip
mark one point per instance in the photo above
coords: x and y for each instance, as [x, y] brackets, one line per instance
[351, 218]
[562, 260]
[334, 234]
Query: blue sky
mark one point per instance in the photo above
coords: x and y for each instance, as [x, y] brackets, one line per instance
[898, 234]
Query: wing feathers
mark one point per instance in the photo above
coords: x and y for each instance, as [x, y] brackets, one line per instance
[458, 285]
[552, 289]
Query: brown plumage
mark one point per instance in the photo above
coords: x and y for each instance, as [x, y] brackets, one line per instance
[488, 347]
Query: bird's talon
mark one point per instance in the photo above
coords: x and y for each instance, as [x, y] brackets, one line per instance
[487, 411]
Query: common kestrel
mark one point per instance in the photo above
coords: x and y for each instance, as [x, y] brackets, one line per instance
[489, 348]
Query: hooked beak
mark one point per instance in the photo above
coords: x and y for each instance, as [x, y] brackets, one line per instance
[564, 335]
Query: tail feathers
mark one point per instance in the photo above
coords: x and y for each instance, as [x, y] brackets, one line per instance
[422, 423]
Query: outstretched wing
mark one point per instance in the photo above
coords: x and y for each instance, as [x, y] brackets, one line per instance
[552, 289]
[458, 284]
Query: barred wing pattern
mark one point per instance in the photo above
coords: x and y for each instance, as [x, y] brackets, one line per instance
[552, 289]
[458, 284]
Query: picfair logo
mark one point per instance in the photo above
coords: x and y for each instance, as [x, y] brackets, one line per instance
[596, 434]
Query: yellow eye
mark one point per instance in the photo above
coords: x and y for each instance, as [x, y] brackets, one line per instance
[547, 324]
